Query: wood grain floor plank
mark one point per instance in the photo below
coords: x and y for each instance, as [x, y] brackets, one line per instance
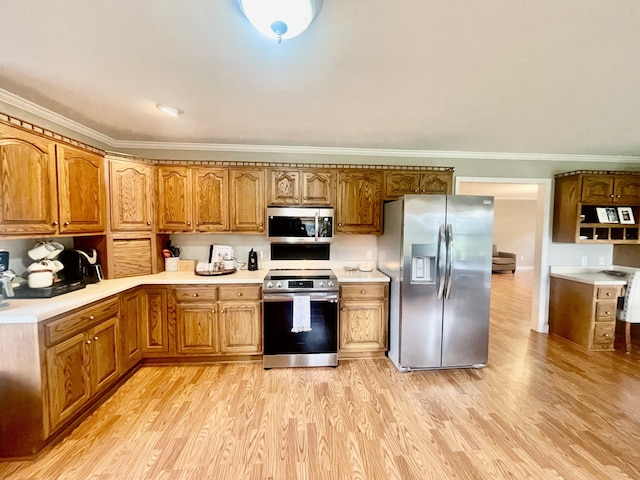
[542, 409]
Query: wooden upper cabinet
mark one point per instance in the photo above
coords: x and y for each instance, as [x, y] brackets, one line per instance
[603, 189]
[359, 204]
[318, 187]
[28, 198]
[174, 199]
[211, 199]
[81, 191]
[247, 200]
[400, 182]
[131, 194]
[301, 187]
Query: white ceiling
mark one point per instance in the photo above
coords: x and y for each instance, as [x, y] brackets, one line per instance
[525, 76]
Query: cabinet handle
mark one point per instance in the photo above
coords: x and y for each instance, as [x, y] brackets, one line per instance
[66, 223]
[240, 294]
[91, 317]
[55, 222]
[195, 294]
[95, 339]
[88, 342]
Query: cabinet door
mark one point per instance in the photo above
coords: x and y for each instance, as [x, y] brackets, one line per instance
[68, 381]
[241, 327]
[211, 199]
[104, 354]
[359, 208]
[197, 328]
[81, 191]
[436, 183]
[247, 200]
[131, 314]
[399, 183]
[627, 190]
[284, 187]
[28, 202]
[174, 199]
[362, 326]
[317, 188]
[155, 333]
[131, 195]
[597, 189]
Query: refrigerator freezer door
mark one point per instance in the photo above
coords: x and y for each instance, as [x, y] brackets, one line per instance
[465, 330]
[421, 310]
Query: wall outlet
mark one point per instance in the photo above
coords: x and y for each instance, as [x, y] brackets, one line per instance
[583, 261]
[601, 260]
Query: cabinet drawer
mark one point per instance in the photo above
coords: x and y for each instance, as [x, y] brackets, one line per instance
[240, 292]
[363, 291]
[79, 321]
[608, 292]
[605, 311]
[196, 293]
[603, 336]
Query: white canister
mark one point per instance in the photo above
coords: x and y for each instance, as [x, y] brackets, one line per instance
[40, 279]
[228, 264]
[171, 264]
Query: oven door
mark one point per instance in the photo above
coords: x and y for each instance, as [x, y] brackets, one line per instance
[278, 322]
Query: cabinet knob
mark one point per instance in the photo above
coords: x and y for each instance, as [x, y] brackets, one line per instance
[296, 197]
[343, 309]
[608, 294]
[195, 294]
[66, 223]
[189, 223]
[222, 311]
[148, 223]
[610, 196]
[339, 224]
[197, 224]
[55, 222]
[240, 294]
[617, 196]
[305, 198]
[363, 292]
[608, 313]
[423, 190]
[260, 224]
[606, 335]
[213, 311]
[95, 339]
[92, 317]
[88, 342]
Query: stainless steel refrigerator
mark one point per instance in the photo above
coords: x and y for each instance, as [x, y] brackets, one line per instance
[437, 251]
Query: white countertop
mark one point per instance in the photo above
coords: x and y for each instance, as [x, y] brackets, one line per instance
[36, 309]
[592, 275]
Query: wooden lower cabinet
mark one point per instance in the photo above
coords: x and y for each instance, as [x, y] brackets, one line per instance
[583, 313]
[155, 331]
[363, 320]
[218, 320]
[132, 307]
[82, 366]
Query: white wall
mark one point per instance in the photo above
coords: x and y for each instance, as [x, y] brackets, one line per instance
[514, 229]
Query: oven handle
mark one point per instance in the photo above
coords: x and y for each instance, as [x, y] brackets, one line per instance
[331, 297]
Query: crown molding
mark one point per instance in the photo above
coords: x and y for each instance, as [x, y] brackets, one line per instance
[58, 119]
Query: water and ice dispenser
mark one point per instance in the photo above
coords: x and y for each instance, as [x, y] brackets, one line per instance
[423, 263]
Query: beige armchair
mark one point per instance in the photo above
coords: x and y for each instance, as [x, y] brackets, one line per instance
[503, 261]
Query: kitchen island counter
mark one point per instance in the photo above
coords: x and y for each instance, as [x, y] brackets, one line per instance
[593, 275]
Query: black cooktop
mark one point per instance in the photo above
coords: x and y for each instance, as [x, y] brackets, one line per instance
[48, 292]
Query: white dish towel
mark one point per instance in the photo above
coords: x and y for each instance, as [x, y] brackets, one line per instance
[301, 314]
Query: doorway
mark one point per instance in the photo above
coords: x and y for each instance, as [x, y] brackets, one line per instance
[539, 190]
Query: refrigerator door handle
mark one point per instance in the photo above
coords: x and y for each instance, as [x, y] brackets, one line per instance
[449, 240]
[441, 266]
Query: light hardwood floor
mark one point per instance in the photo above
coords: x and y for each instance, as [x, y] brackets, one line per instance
[541, 409]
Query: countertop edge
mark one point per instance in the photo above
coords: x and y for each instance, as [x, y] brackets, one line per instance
[37, 310]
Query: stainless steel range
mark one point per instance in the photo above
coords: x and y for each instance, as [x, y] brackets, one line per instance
[300, 315]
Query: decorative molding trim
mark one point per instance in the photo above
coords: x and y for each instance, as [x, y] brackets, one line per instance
[42, 112]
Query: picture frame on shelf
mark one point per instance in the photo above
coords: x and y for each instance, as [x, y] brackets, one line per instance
[607, 214]
[625, 215]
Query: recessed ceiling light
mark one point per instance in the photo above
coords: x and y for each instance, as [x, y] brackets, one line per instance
[169, 110]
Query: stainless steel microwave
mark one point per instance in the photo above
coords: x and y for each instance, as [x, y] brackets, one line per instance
[300, 224]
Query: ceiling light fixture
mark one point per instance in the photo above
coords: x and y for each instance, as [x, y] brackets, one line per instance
[281, 19]
[169, 110]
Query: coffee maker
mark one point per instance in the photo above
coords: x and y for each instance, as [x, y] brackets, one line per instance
[253, 261]
[80, 264]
